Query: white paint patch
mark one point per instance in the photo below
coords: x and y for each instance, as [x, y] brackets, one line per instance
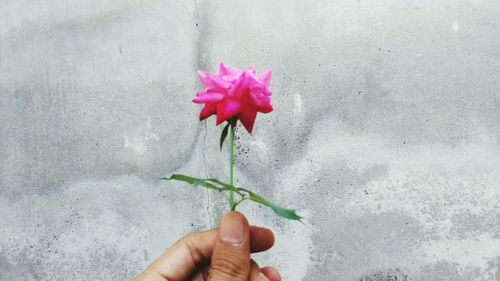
[298, 105]
[137, 139]
[475, 252]
[258, 146]
[135, 143]
[455, 26]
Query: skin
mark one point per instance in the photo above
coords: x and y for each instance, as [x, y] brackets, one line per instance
[221, 254]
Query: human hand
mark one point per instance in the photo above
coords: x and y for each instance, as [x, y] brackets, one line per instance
[221, 254]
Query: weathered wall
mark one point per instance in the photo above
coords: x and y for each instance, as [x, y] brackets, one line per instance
[386, 132]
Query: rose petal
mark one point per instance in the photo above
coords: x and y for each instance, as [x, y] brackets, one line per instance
[237, 89]
[265, 77]
[254, 98]
[253, 80]
[211, 81]
[218, 82]
[265, 108]
[227, 109]
[224, 70]
[209, 98]
[251, 70]
[265, 99]
[247, 118]
[208, 110]
[202, 75]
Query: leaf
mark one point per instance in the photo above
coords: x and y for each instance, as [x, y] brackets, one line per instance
[286, 213]
[219, 186]
[194, 181]
[224, 134]
[226, 186]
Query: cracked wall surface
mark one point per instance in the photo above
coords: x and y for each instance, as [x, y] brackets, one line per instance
[386, 133]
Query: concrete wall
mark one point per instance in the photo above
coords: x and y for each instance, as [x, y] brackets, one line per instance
[386, 132]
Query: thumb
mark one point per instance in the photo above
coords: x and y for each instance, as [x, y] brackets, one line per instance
[231, 255]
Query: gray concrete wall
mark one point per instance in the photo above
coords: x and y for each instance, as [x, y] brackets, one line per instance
[386, 132]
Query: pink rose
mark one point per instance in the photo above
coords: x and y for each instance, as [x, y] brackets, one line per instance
[234, 92]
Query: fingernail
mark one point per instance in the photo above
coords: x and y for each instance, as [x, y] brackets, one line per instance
[232, 228]
[262, 277]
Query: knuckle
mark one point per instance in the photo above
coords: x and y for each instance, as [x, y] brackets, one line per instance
[195, 254]
[229, 265]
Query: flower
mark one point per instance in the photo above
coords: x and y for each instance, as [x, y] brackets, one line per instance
[234, 92]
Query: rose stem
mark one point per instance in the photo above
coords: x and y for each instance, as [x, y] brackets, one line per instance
[231, 163]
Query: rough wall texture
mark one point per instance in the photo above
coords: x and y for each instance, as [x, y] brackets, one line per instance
[386, 131]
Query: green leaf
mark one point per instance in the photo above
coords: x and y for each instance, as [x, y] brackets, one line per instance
[226, 186]
[219, 186]
[194, 181]
[224, 134]
[286, 213]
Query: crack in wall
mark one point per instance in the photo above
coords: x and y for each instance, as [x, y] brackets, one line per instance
[207, 192]
[202, 61]
[202, 52]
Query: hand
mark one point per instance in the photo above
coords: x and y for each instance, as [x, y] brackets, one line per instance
[221, 254]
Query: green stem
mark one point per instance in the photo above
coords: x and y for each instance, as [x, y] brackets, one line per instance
[231, 163]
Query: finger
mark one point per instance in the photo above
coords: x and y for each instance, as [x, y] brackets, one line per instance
[271, 273]
[201, 275]
[256, 274]
[261, 239]
[195, 250]
[231, 255]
